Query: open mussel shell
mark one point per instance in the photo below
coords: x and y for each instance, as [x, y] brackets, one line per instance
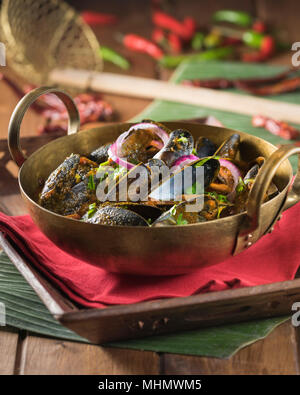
[116, 216]
[230, 147]
[198, 209]
[205, 147]
[100, 154]
[182, 181]
[180, 143]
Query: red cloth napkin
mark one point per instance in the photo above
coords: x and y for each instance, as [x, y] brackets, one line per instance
[273, 258]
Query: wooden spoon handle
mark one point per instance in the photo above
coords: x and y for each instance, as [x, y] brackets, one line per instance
[125, 85]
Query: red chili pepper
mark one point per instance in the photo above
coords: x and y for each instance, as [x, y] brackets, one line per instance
[174, 43]
[268, 45]
[283, 86]
[278, 128]
[168, 22]
[158, 35]
[267, 49]
[96, 18]
[141, 44]
[259, 26]
[190, 25]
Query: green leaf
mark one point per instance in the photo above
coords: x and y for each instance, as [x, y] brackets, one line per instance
[221, 342]
[23, 307]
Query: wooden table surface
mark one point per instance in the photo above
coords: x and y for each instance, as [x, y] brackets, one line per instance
[26, 353]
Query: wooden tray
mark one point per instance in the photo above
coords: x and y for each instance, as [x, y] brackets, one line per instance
[147, 318]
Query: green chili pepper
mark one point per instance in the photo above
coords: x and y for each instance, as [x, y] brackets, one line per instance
[253, 39]
[112, 56]
[197, 41]
[170, 61]
[239, 18]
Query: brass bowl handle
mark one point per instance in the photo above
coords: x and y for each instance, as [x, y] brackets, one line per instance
[20, 110]
[250, 230]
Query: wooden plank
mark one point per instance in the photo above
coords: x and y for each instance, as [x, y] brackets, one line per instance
[177, 314]
[276, 354]
[48, 356]
[8, 349]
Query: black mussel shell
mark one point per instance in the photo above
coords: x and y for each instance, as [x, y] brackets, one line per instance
[111, 215]
[172, 188]
[149, 212]
[100, 155]
[205, 147]
[179, 215]
[180, 143]
[252, 173]
[230, 147]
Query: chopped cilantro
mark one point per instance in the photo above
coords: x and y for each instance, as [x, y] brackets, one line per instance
[182, 139]
[105, 163]
[91, 183]
[202, 161]
[181, 221]
[241, 186]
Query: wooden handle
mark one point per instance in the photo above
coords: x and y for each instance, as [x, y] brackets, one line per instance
[154, 89]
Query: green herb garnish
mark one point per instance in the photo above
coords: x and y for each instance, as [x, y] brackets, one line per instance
[91, 183]
[92, 210]
[241, 186]
[219, 197]
[181, 221]
[105, 163]
[182, 139]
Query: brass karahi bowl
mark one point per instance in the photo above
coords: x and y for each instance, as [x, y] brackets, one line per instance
[168, 250]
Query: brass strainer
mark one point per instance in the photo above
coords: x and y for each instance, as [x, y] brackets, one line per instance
[41, 35]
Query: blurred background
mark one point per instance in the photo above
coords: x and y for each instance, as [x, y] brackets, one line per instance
[143, 38]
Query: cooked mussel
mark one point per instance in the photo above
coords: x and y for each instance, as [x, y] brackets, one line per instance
[180, 214]
[205, 147]
[230, 147]
[180, 143]
[112, 215]
[187, 180]
[100, 154]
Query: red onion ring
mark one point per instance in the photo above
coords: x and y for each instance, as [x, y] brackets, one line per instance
[161, 133]
[115, 148]
[235, 174]
[183, 161]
